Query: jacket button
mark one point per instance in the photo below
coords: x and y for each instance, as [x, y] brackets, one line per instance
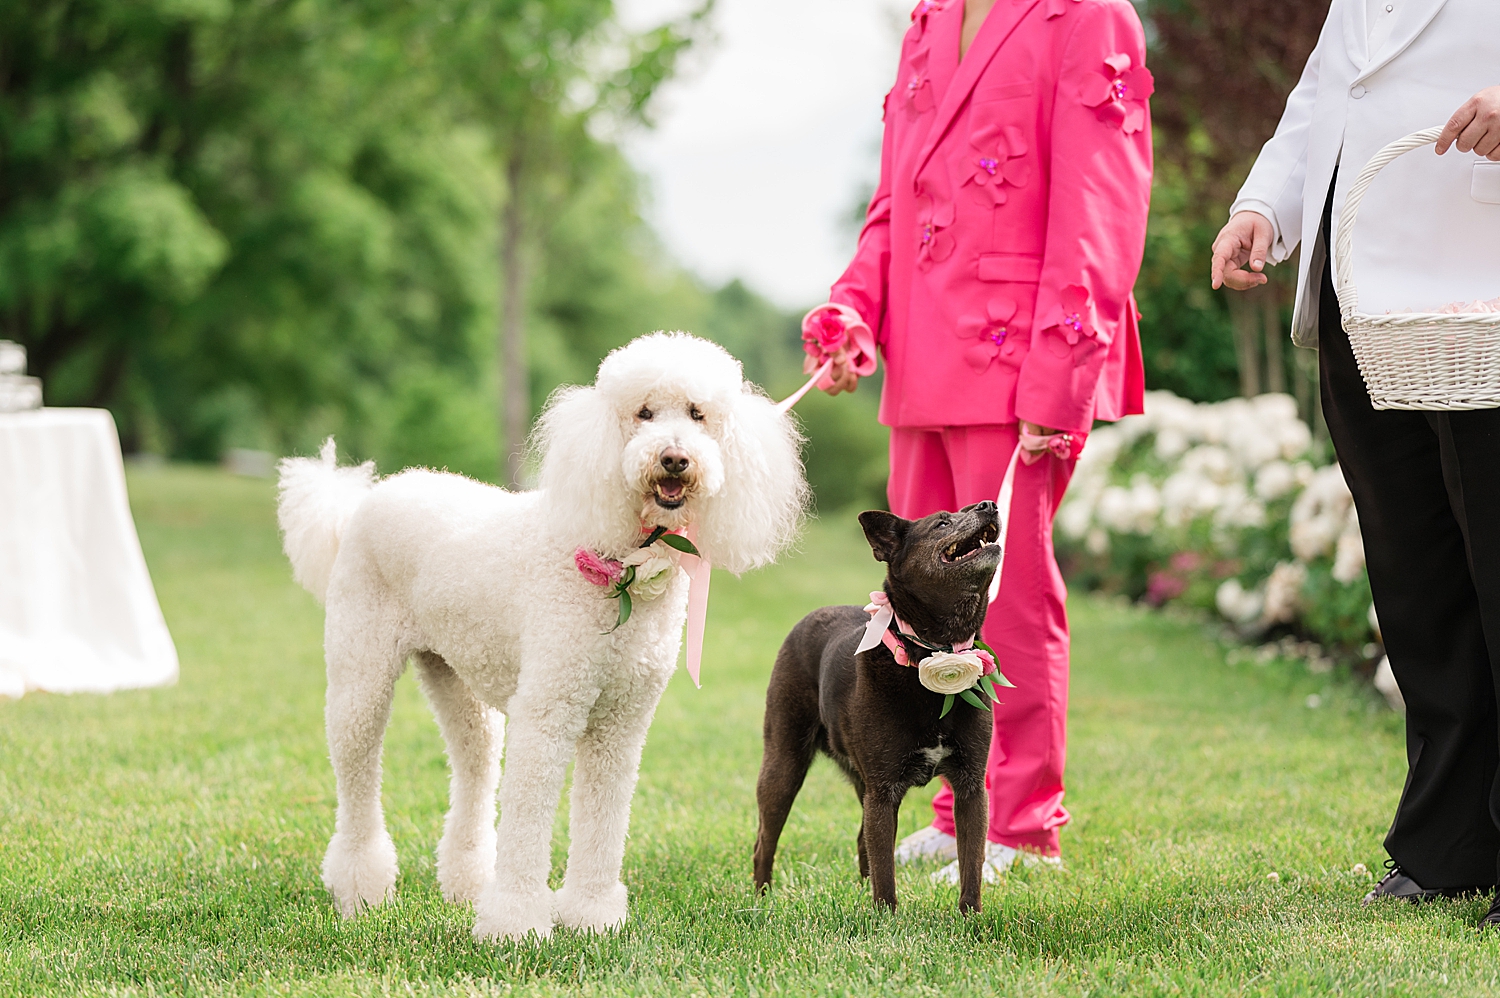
[1358, 91]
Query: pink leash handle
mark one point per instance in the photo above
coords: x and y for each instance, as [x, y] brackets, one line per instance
[1007, 490]
[785, 405]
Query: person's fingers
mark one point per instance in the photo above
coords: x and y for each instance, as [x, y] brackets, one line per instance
[837, 375]
[1489, 143]
[1260, 247]
[1244, 280]
[1472, 134]
[1226, 249]
[1456, 125]
[809, 364]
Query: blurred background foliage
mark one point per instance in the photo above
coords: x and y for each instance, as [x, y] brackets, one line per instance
[251, 223]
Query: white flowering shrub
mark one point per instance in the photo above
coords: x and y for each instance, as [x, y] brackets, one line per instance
[1229, 506]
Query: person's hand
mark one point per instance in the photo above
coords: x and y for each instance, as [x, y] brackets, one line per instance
[843, 376]
[1036, 429]
[1475, 127]
[1246, 239]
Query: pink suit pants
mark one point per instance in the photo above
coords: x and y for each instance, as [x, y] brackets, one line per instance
[951, 467]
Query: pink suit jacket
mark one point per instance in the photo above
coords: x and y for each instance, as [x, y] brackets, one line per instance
[999, 252]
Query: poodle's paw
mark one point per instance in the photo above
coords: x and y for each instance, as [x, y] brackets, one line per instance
[594, 911]
[504, 916]
[464, 871]
[360, 875]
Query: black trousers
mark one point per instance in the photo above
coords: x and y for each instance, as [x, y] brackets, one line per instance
[1427, 488]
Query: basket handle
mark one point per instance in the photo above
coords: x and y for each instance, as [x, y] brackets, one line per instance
[1343, 250]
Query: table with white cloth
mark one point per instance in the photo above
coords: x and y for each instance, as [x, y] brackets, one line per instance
[78, 613]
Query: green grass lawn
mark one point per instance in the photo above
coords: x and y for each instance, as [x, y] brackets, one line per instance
[167, 842]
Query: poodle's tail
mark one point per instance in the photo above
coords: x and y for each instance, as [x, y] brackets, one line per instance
[317, 499]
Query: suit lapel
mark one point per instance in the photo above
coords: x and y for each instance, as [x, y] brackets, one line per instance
[1412, 21]
[1357, 32]
[941, 42]
[998, 25]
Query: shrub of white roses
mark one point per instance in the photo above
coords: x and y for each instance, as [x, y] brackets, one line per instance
[1228, 506]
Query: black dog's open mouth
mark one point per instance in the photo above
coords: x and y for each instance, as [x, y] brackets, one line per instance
[670, 493]
[963, 550]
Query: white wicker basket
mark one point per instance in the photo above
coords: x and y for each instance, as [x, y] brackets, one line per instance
[1414, 360]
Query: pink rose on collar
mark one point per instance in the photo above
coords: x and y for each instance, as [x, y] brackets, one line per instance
[598, 571]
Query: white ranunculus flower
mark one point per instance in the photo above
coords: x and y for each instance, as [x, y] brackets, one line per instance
[654, 571]
[1275, 480]
[1239, 604]
[1283, 593]
[946, 672]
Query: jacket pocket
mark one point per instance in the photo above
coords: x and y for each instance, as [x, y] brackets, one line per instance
[1486, 185]
[1019, 267]
[1002, 91]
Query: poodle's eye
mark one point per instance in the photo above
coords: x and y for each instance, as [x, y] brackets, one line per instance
[644, 414]
[696, 413]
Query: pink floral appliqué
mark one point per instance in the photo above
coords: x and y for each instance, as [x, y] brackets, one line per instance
[920, 11]
[918, 87]
[1120, 93]
[934, 245]
[989, 330]
[1075, 323]
[1000, 161]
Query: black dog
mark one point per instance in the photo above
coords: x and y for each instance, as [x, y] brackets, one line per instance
[871, 715]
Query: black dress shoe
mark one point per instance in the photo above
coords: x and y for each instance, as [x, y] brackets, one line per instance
[1491, 918]
[1398, 884]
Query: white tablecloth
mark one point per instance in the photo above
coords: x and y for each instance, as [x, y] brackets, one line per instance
[77, 610]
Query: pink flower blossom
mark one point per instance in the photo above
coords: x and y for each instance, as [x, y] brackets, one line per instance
[1076, 313]
[1120, 93]
[933, 244]
[919, 98]
[998, 161]
[598, 571]
[989, 329]
[838, 332]
[1163, 587]
[986, 660]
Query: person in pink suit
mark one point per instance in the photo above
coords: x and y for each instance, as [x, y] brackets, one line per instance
[994, 273]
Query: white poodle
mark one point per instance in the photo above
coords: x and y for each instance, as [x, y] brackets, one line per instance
[485, 590]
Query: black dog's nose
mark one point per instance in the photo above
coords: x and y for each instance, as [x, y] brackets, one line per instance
[675, 461]
[985, 507]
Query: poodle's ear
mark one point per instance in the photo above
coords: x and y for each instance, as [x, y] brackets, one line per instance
[885, 532]
[755, 516]
[580, 440]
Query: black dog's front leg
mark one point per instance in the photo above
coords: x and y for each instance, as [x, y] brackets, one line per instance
[971, 817]
[880, 843]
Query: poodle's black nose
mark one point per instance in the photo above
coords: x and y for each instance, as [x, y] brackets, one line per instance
[674, 461]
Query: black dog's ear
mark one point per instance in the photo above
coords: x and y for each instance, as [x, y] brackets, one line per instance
[885, 532]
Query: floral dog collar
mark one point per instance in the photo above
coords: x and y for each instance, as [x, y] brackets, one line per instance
[645, 572]
[953, 670]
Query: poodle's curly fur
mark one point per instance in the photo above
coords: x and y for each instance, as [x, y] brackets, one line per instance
[478, 587]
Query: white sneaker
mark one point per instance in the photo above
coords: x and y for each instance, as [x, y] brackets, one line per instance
[997, 860]
[927, 844]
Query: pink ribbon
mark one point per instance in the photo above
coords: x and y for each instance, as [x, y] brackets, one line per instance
[878, 632]
[699, 571]
[1034, 445]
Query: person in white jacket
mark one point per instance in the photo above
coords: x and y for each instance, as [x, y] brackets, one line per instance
[1426, 484]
